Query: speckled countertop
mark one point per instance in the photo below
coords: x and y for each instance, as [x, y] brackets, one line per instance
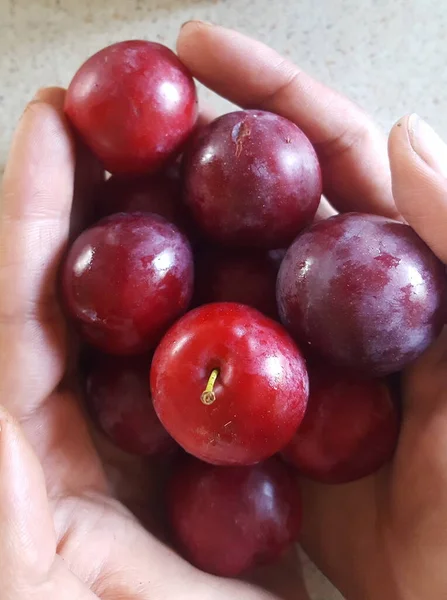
[388, 56]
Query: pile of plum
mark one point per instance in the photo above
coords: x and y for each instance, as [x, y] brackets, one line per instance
[225, 324]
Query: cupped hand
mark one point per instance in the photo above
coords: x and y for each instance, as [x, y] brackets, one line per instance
[74, 515]
[67, 530]
[384, 536]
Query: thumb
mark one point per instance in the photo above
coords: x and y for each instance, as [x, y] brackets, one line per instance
[27, 536]
[418, 160]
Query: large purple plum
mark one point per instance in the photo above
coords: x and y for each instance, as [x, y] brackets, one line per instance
[363, 291]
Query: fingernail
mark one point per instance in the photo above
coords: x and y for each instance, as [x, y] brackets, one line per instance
[427, 144]
[197, 22]
[39, 95]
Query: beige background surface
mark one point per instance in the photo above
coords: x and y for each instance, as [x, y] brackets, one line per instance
[388, 55]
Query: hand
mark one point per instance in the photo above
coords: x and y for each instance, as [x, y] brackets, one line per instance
[66, 528]
[74, 537]
[382, 537]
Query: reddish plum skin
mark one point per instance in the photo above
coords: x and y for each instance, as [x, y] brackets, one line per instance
[159, 193]
[261, 391]
[134, 104]
[243, 277]
[126, 280]
[363, 291]
[350, 428]
[252, 179]
[226, 520]
[118, 396]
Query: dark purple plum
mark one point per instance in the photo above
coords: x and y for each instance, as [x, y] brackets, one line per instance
[159, 193]
[227, 520]
[118, 396]
[363, 291]
[252, 178]
[245, 277]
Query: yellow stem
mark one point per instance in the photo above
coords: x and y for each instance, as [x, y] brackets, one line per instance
[208, 396]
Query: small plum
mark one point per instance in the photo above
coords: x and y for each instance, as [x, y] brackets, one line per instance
[350, 428]
[159, 193]
[118, 396]
[226, 520]
[244, 277]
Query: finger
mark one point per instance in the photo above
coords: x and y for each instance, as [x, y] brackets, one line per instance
[351, 149]
[207, 114]
[29, 566]
[418, 159]
[34, 221]
[34, 226]
[27, 536]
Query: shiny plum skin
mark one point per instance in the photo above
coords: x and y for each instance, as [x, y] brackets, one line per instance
[252, 179]
[237, 276]
[134, 104]
[260, 392]
[226, 520]
[350, 428]
[118, 397]
[363, 291]
[126, 280]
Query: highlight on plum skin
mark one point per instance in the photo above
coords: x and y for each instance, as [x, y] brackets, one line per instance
[125, 281]
[252, 179]
[227, 520]
[363, 291]
[118, 397]
[134, 104]
[350, 429]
